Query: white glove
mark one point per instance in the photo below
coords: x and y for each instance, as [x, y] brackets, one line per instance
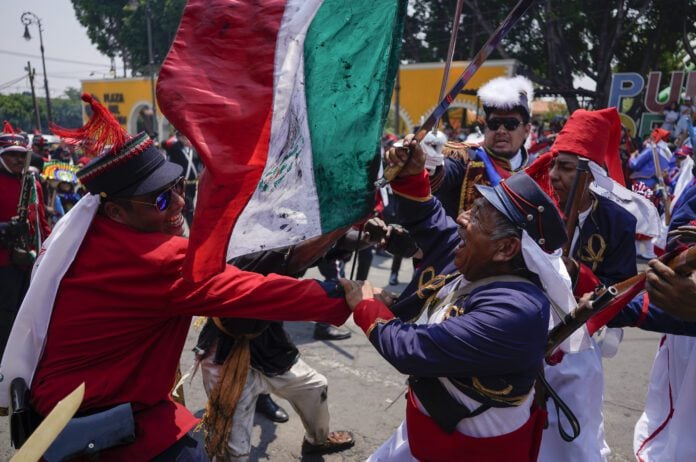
[432, 145]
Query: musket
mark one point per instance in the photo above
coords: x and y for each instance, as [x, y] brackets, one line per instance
[491, 44]
[683, 262]
[21, 253]
[577, 192]
[666, 200]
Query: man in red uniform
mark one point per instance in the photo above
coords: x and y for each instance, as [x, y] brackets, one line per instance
[120, 314]
[13, 274]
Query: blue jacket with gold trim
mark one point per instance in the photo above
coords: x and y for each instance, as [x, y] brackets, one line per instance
[497, 337]
[453, 183]
[607, 242]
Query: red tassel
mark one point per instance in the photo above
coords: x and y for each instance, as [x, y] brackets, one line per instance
[101, 130]
[539, 172]
[7, 128]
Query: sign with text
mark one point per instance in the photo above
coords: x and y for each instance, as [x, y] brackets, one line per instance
[631, 84]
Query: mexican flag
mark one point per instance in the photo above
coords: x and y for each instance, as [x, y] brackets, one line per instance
[285, 102]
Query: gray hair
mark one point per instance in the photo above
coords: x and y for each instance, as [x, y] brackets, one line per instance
[503, 227]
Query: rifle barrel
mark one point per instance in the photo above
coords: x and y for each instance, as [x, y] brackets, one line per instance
[683, 262]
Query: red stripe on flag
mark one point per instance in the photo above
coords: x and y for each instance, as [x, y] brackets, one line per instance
[216, 87]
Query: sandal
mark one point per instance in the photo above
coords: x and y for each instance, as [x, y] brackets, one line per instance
[335, 442]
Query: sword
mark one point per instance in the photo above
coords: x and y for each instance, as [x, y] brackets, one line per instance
[491, 44]
[666, 201]
[450, 55]
[50, 428]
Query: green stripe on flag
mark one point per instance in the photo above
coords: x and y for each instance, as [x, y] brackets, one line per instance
[351, 57]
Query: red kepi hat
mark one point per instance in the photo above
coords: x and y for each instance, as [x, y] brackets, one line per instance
[594, 135]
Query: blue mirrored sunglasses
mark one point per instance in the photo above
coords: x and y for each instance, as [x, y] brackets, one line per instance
[164, 198]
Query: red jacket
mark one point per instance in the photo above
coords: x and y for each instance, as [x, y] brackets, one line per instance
[120, 321]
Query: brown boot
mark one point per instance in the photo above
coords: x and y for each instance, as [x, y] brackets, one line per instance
[335, 442]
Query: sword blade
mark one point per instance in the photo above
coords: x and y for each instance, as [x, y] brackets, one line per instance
[54, 423]
[491, 44]
[450, 54]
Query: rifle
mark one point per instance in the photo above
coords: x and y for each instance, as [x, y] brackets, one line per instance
[20, 246]
[572, 208]
[491, 44]
[681, 262]
[666, 200]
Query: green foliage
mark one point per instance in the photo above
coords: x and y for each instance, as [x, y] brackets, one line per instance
[558, 40]
[555, 41]
[119, 28]
[19, 111]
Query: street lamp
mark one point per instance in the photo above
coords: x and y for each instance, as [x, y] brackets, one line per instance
[29, 18]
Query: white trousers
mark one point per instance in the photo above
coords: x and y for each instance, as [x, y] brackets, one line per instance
[302, 386]
[664, 431]
[395, 449]
[579, 381]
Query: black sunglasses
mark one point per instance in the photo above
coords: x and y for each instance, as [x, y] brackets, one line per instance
[164, 198]
[510, 123]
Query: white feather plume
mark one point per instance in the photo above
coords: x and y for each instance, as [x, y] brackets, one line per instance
[504, 92]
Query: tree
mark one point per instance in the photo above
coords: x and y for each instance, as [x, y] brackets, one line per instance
[555, 41]
[559, 40]
[118, 28]
[19, 111]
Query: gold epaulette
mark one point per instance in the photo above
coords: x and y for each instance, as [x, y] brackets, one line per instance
[457, 150]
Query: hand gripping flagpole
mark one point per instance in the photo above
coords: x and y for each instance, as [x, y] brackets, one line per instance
[493, 41]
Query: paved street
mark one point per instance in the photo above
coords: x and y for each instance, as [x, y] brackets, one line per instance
[366, 394]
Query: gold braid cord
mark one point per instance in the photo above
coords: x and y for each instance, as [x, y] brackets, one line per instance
[475, 174]
[217, 420]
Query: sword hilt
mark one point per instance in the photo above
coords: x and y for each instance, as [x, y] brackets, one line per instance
[391, 172]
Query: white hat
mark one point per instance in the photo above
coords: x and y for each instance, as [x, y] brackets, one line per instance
[507, 93]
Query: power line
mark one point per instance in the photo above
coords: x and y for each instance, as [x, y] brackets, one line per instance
[9, 83]
[60, 60]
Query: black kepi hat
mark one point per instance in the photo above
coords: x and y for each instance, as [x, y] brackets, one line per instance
[126, 165]
[527, 206]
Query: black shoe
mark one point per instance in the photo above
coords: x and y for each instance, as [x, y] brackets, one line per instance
[266, 406]
[394, 279]
[328, 332]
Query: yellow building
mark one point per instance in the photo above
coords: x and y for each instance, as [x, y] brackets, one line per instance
[419, 88]
[130, 99]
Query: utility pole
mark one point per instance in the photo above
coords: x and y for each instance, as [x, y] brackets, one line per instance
[148, 17]
[32, 73]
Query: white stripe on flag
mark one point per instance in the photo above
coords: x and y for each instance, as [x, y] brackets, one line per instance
[285, 206]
